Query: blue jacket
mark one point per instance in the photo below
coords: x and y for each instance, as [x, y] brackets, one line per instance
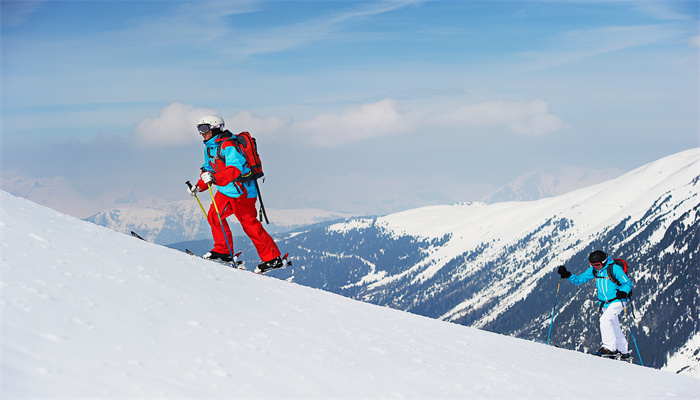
[607, 289]
[226, 171]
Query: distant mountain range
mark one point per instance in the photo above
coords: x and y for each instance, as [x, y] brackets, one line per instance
[551, 182]
[184, 221]
[180, 221]
[61, 194]
[492, 266]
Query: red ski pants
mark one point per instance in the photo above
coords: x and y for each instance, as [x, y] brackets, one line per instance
[244, 209]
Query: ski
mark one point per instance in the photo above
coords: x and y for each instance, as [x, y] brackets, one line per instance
[137, 236]
[616, 356]
[238, 263]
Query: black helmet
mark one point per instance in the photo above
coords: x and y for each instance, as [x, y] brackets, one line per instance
[597, 256]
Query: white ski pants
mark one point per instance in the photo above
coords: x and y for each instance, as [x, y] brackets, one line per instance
[610, 331]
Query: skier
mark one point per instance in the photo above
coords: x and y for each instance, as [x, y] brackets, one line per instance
[612, 296]
[234, 196]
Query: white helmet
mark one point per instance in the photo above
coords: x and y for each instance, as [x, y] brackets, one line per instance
[209, 122]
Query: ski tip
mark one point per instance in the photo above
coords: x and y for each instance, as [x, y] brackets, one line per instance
[136, 235]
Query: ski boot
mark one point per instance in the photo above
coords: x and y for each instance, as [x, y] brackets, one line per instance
[624, 356]
[212, 255]
[605, 353]
[269, 265]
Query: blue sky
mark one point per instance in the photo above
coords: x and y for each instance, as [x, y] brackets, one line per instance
[357, 105]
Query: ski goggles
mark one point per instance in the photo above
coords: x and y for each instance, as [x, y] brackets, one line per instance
[203, 128]
[597, 265]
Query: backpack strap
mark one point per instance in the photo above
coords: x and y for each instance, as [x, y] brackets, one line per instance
[614, 280]
[227, 136]
[611, 274]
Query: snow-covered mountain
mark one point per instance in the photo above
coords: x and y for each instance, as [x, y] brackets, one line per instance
[184, 221]
[551, 182]
[91, 313]
[60, 194]
[493, 266]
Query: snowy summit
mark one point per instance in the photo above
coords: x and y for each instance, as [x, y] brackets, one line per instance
[89, 312]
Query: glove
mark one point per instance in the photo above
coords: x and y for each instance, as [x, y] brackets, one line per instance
[207, 178]
[193, 190]
[563, 272]
[621, 295]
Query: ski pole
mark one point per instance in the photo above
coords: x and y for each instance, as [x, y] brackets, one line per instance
[221, 224]
[262, 206]
[198, 202]
[553, 308]
[629, 325]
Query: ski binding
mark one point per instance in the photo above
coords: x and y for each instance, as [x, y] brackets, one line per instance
[285, 263]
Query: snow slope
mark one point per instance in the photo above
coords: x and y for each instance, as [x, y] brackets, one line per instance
[89, 312]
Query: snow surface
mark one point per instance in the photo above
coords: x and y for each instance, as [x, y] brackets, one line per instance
[89, 312]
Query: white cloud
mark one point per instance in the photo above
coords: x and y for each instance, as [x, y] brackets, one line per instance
[368, 120]
[695, 41]
[530, 118]
[175, 126]
[247, 121]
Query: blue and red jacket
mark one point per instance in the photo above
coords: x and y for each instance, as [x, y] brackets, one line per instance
[228, 170]
[607, 288]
